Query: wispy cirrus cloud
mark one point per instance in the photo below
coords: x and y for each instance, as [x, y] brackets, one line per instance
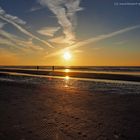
[65, 11]
[7, 38]
[11, 17]
[2, 24]
[58, 40]
[121, 42]
[4, 41]
[14, 42]
[96, 39]
[48, 31]
[105, 36]
[17, 43]
[15, 21]
[35, 8]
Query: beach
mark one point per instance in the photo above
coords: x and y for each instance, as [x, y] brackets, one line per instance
[41, 108]
[123, 76]
[69, 70]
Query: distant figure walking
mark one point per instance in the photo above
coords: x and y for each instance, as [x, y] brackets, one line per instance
[37, 67]
[52, 68]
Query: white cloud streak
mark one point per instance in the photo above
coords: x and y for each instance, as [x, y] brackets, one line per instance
[17, 43]
[102, 37]
[8, 38]
[49, 31]
[36, 8]
[14, 23]
[58, 40]
[96, 39]
[4, 41]
[12, 18]
[65, 11]
[2, 24]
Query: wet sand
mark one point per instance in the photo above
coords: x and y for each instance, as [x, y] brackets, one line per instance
[109, 76]
[38, 112]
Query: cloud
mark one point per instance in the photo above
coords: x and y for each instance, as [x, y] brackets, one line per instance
[2, 24]
[2, 12]
[17, 43]
[8, 39]
[35, 8]
[13, 20]
[120, 42]
[49, 31]
[6, 42]
[65, 11]
[102, 37]
[59, 40]
[96, 39]
[29, 45]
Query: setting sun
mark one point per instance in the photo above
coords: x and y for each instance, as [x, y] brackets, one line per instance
[67, 55]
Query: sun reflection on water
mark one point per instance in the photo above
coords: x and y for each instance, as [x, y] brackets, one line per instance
[67, 70]
[67, 77]
[66, 81]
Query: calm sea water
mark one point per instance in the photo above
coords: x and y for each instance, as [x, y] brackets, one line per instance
[90, 69]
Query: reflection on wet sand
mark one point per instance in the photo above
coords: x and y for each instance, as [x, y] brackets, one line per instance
[81, 75]
[67, 77]
[67, 70]
[66, 81]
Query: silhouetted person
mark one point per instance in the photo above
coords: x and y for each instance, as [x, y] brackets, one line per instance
[53, 68]
[37, 67]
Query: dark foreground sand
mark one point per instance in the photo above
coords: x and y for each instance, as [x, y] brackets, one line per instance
[37, 112]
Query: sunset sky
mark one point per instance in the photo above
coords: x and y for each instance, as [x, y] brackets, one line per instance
[87, 32]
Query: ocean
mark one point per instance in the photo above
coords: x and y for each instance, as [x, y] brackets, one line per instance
[124, 69]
